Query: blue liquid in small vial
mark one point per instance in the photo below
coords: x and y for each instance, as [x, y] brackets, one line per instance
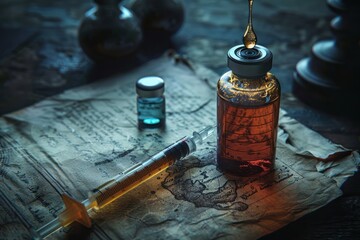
[152, 121]
[151, 112]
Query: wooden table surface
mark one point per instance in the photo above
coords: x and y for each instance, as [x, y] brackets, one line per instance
[40, 56]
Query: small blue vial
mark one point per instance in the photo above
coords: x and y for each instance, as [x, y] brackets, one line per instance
[150, 102]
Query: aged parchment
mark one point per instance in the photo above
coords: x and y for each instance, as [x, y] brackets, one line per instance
[77, 140]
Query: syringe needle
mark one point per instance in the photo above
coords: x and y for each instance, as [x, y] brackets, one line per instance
[122, 183]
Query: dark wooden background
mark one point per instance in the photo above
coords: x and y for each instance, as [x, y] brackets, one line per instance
[40, 56]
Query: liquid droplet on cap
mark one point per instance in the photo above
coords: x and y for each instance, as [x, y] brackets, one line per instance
[250, 38]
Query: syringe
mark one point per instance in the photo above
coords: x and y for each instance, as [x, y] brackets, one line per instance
[122, 183]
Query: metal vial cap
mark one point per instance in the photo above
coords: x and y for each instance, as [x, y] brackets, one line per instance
[150, 86]
[249, 62]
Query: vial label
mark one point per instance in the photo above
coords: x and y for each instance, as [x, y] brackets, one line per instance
[151, 112]
[247, 137]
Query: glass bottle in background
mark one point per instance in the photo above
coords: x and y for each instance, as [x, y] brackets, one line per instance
[150, 102]
[109, 32]
[248, 106]
[163, 17]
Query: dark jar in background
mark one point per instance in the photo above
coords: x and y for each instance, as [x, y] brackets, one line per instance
[163, 17]
[150, 102]
[109, 32]
[248, 106]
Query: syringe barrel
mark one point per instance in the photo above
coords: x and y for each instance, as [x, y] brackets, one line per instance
[128, 180]
[122, 183]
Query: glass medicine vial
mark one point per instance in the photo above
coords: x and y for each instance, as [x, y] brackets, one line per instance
[150, 102]
[248, 105]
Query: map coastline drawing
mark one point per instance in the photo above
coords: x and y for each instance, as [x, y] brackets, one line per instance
[199, 181]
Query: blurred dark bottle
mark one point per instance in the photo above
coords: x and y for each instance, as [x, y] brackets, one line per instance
[164, 17]
[109, 32]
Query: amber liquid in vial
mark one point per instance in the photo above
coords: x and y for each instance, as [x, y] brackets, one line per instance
[247, 128]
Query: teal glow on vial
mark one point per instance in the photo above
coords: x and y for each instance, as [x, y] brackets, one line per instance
[150, 102]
